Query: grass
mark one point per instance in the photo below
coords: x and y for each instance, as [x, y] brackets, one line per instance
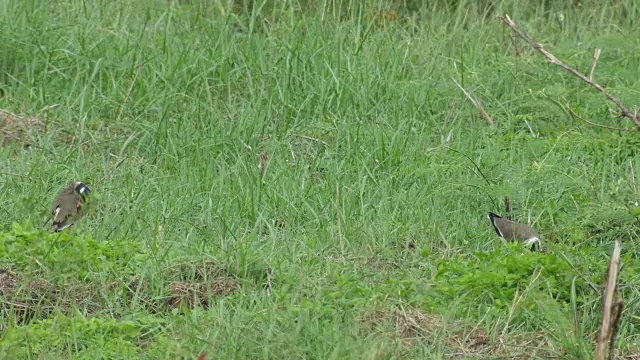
[164, 109]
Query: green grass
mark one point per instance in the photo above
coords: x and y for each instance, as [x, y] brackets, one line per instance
[164, 108]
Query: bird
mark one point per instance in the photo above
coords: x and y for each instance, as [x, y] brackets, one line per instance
[513, 231]
[67, 207]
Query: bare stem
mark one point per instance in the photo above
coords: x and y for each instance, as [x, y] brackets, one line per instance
[477, 104]
[596, 56]
[610, 308]
[633, 117]
[573, 113]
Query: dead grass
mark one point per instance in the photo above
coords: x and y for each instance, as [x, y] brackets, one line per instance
[628, 354]
[198, 284]
[461, 341]
[25, 298]
[18, 128]
[200, 271]
[191, 295]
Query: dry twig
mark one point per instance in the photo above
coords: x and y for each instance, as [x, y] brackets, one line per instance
[624, 112]
[596, 56]
[507, 207]
[477, 104]
[611, 307]
[633, 180]
[573, 113]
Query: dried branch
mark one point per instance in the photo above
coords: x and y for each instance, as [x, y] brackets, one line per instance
[477, 104]
[611, 306]
[533, 133]
[633, 117]
[617, 309]
[597, 125]
[514, 45]
[596, 56]
[633, 179]
[507, 207]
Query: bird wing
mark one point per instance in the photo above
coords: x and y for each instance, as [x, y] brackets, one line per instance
[505, 227]
[527, 231]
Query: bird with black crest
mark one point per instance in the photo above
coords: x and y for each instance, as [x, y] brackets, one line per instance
[68, 206]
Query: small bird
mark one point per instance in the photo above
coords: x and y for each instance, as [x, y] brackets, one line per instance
[513, 231]
[67, 207]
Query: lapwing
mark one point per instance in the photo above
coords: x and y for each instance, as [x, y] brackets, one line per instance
[513, 231]
[67, 207]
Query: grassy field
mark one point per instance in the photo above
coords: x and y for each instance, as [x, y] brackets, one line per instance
[285, 179]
